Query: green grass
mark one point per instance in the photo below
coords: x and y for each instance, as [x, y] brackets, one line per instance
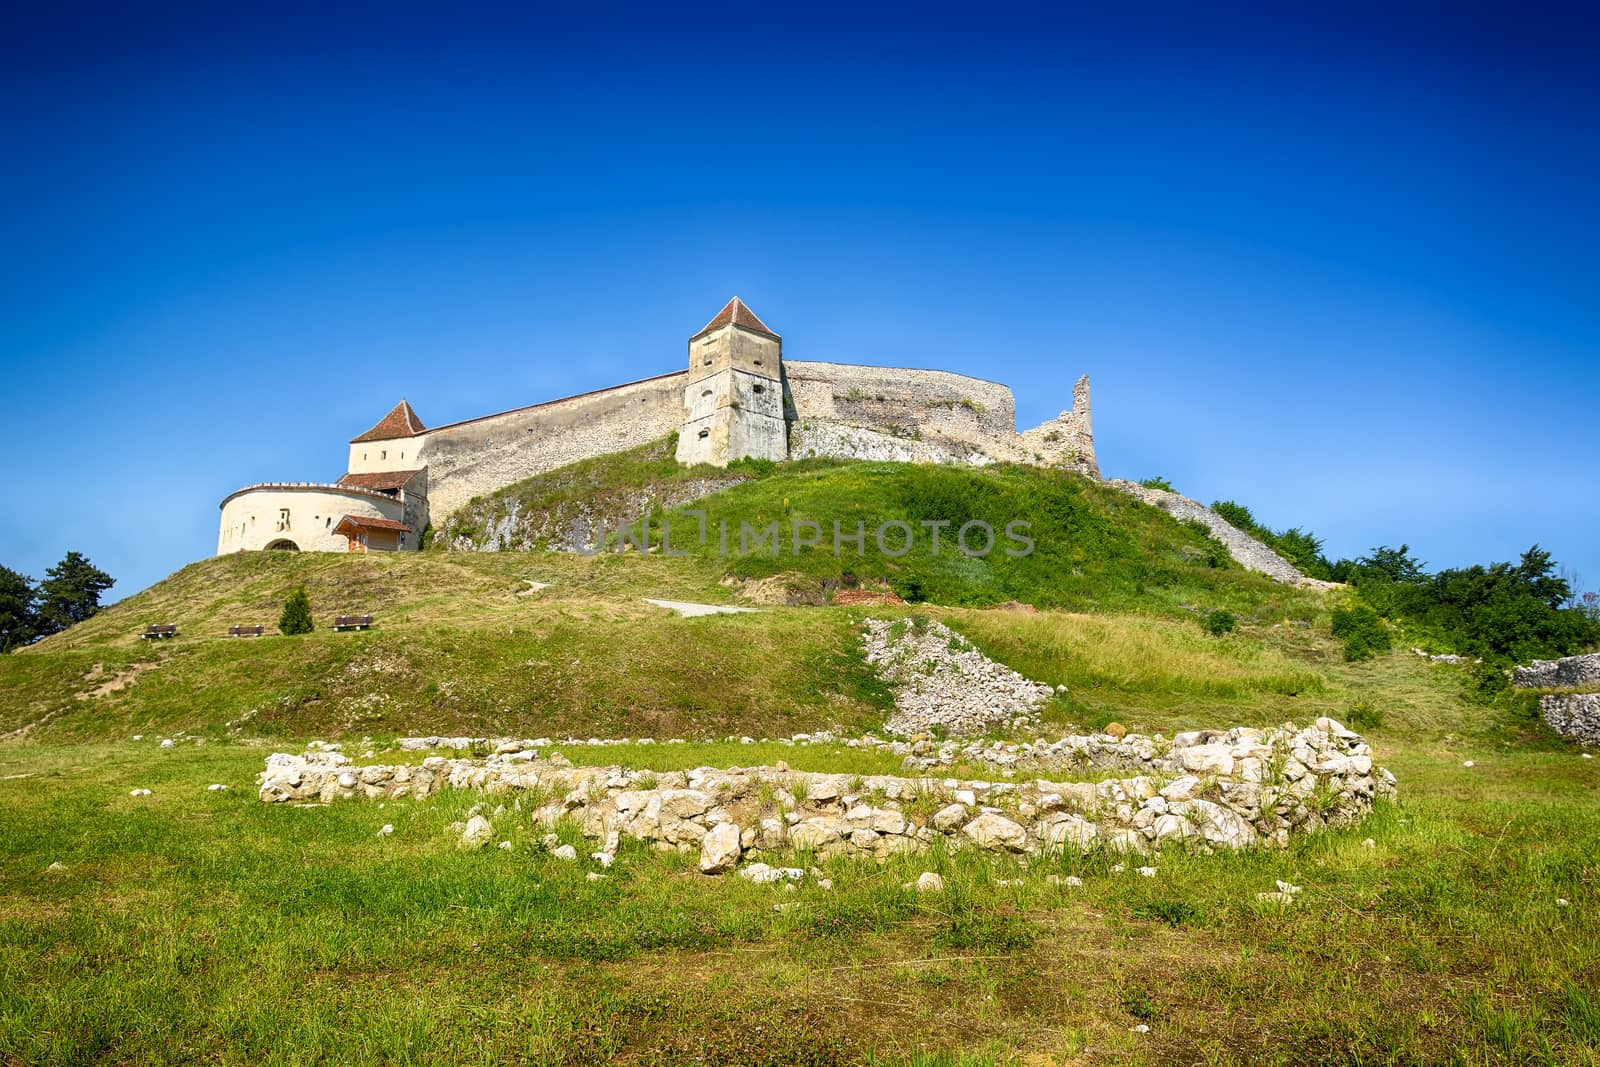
[196, 926]
[192, 926]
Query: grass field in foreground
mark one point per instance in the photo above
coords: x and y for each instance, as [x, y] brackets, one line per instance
[198, 926]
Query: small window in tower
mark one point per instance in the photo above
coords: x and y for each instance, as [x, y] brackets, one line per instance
[283, 518]
[758, 363]
[384, 454]
[704, 434]
[705, 394]
[760, 389]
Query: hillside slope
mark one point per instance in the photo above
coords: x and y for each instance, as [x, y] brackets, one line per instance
[541, 642]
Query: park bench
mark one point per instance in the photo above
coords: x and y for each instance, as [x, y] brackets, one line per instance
[246, 631]
[159, 632]
[352, 622]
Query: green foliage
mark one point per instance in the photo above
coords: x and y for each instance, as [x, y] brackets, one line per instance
[1505, 613]
[1091, 546]
[1157, 483]
[1363, 715]
[296, 617]
[1171, 912]
[1219, 622]
[17, 599]
[70, 593]
[1362, 630]
[753, 466]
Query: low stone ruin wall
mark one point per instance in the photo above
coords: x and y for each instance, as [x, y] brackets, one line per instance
[1575, 716]
[1239, 789]
[1245, 550]
[1573, 672]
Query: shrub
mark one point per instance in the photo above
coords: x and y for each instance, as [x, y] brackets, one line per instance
[1363, 632]
[1157, 482]
[1363, 716]
[1219, 622]
[296, 617]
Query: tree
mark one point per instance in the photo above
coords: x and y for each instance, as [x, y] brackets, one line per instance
[18, 624]
[70, 593]
[296, 617]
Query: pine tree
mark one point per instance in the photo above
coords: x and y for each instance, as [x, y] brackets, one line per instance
[296, 617]
[70, 593]
[17, 621]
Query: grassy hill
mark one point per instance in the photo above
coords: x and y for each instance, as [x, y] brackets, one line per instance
[465, 642]
[198, 925]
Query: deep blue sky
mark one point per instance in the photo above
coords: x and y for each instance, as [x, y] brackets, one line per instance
[1341, 267]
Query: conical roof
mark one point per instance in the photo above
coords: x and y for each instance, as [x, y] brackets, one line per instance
[400, 422]
[737, 314]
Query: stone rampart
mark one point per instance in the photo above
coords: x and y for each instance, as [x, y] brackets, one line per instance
[480, 456]
[1571, 672]
[925, 416]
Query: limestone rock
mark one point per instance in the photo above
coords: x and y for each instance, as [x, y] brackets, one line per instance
[929, 882]
[720, 850]
[996, 833]
[477, 833]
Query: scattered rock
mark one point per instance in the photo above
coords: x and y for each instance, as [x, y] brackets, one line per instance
[505, 846]
[942, 680]
[929, 882]
[216, 787]
[564, 852]
[138, 792]
[56, 868]
[477, 833]
[1148, 872]
[1115, 729]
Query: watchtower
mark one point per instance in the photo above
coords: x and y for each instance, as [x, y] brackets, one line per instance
[734, 397]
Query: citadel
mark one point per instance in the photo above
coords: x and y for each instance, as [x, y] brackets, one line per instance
[737, 398]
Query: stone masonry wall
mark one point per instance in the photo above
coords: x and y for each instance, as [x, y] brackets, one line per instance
[1571, 672]
[1235, 789]
[475, 458]
[882, 413]
[1575, 716]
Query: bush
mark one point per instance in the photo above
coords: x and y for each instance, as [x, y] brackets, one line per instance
[1157, 483]
[1219, 622]
[1363, 632]
[1363, 716]
[296, 617]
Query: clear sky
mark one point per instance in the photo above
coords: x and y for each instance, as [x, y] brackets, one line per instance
[1341, 267]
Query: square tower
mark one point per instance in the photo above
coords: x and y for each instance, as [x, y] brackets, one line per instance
[733, 402]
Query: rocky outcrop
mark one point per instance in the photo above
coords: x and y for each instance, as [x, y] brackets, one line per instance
[1571, 672]
[1575, 716]
[1235, 789]
[1245, 550]
[943, 682]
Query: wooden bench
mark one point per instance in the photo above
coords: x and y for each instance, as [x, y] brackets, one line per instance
[159, 632]
[246, 631]
[352, 622]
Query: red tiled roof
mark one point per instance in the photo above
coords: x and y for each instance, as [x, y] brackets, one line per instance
[739, 315]
[400, 422]
[381, 481]
[362, 522]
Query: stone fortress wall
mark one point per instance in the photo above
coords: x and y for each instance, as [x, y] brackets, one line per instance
[858, 412]
[302, 513]
[737, 397]
[477, 457]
